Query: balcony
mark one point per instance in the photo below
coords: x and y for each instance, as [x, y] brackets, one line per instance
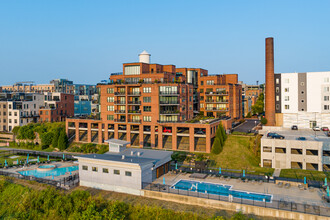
[169, 112]
[134, 94]
[120, 94]
[161, 121]
[120, 120]
[216, 93]
[120, 103]
[216, 109]
[137, 121]
[134, 102]
[169, 102]
[216, 101]
[120, 111]
[168, 93]
[134, 111]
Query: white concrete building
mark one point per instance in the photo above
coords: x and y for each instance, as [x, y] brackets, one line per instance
[302, 99]
[122, 170]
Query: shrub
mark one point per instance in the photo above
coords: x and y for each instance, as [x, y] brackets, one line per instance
[216, 148]
[263, 120]
[63, 140]
[46, 139]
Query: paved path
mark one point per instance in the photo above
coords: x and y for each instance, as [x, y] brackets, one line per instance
[247, 126]
[277, 172]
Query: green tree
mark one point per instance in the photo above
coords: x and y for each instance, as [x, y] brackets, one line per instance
[46, 139]
[263, 120]
[63, 140]
[56, 136]
[16, 130]
[26, 132]
[258, 107]
[216, 148]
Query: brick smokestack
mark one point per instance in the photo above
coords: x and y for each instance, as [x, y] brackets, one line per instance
[270, 84]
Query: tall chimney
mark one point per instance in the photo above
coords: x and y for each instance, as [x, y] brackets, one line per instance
[270, 84]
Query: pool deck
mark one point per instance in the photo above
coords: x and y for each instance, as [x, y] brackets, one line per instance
[292, 194]
[32, 167]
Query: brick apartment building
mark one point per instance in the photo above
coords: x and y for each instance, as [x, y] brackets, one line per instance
[57, 107]
[155, 106]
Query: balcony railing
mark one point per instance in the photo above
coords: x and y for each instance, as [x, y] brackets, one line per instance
[169, 112]
[161, 121]
[216, 101]
[134, 120]
[120, 93]
[216, 109]
[134, 102]
[134, 94]
[120, 111]
[167, 93]
[120, 120]
[216, 93]
[169, 102]
[134, 111]
[120, 102]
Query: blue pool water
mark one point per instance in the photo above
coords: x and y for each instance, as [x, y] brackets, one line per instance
[56, 172]
[46, 166]
[218, 189]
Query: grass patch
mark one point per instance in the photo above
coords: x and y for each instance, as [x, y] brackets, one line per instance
[300, 174]
[238, 154]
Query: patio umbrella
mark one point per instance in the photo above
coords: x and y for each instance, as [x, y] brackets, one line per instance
[17, 161]
[38, 159]
[219, 170]
[164, 180]
[6, 163]
[325, 181]
[328, 191]
[63, 156]
[243, 173]
[27, 158]
[48, 157]
[304, 180]
[176, 166]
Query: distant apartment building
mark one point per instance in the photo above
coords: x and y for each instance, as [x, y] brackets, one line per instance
[155, 106]
[250, 94]
[57, 107]
[3, 116]
[29, 87]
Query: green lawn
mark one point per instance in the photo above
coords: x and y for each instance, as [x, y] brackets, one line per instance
[238, 154]
[300, 174]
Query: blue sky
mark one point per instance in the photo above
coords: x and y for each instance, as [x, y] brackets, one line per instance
[86, 40]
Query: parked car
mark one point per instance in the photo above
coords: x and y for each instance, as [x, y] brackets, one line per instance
[316, 128]
[301, 138]
[294, 127]
[200, 132]
[275, 135]
[167, 130]
[325, 129]
[328, 133]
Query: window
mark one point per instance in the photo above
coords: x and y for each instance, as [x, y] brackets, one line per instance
[277, 89]
[326, 107]
[9, 106]
[201, 105]
[202, 83]
[110, 117]
[128, 173]
[15, 121]
[110, 99]
[201, 90]
[302, 83]
[286, 80]
[326, 98]
[146, 99]
[277, 107]
[286, 106]
[210, 82]
[132, 70]
[147, 118]
[277, 98]
[326, 80]
[105, 170]
[147, 80]
[116, 172]
[277, 81]
[326, 89]
[286, 98]
[147, 108]
[85, 167]
[147, 90]
[110, 90]
[286, 89]
[111, 108]
[9, 113]
[302, 100]
[267, 149]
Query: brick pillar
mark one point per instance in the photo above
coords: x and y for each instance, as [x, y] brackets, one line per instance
[89, 132]
[100, 134]
[191, 139]
[106, 132]
[160, 137]
[152, 136]
[116, 131]
[128, 134]
[174, 138]
[141, 136]
[208, 139]
[77, 131]
[67, 127]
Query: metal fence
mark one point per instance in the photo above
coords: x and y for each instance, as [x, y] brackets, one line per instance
[274, 204]
[66, 182]
[38, 153]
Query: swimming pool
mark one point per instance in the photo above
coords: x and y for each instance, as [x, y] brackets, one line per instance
[219, 189]
[55, 172]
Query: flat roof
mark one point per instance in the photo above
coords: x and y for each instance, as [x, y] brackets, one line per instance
[309, 134]
[117, 141]
[117, 158]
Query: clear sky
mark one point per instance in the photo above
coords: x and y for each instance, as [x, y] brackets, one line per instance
[84, 41]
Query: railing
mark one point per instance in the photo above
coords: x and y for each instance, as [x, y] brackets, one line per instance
[214, 195]
[169, 102]
[134, 120]
[120, 102]
[120, 93]
[120, 111]
[216, 109]
[216, 93]
[134, 111]
[120, 120]
[216, 101]
[160, 121]
[38, 153]
[134, 94]
[169, 112]
[134, 102]
[168, 93]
